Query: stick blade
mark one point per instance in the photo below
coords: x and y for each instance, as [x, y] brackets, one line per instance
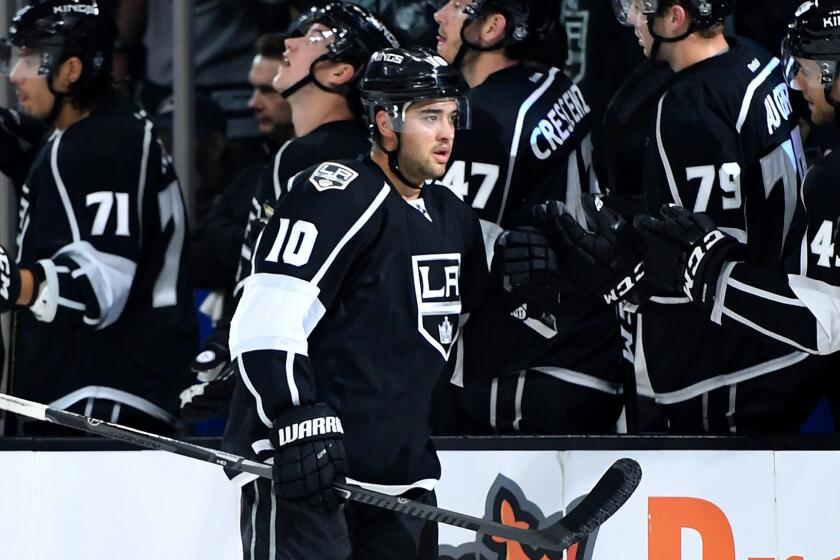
[607, 496]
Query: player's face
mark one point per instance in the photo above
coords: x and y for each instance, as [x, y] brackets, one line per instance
[639, 20]
[809, 80]
[32, 90]
[300, 53]
[270, 109]
[450, 18]
[427, 137]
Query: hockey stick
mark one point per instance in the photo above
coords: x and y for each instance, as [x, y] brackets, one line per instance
[609, 494]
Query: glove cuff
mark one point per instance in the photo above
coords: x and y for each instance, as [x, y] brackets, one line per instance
[306, 423]
[704, 264]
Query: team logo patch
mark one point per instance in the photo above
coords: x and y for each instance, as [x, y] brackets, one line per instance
[438, 291]
[331, 175]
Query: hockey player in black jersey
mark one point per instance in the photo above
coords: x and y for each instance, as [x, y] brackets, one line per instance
[529, 142]
[799, 306]
[725, 142]
[325, 56]
[361, 281]
[104, 322]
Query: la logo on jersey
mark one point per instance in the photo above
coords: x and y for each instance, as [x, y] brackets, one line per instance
[438, 291]
[331, 175]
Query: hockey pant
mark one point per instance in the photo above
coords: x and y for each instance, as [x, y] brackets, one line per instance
[275, 529]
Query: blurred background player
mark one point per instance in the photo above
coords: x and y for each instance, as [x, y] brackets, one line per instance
[105, 325]
[323, 60]
[529, 142]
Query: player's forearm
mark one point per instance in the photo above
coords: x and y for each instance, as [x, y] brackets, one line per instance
[763, 303]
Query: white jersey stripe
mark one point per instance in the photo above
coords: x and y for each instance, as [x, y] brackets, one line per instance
[748, 95]
[294, 393]
[62, 189]
[517, 133]
[764, 293]
[672, 184]
[275, 178]
[141, 185]
[354, 229]
[251, 389]
[744, 321]
[718, 381]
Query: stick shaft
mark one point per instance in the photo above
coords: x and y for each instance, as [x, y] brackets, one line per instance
[555, 537]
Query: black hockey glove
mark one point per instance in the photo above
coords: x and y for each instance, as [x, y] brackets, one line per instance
[309, 455]
[684, 252]
[216, 376]
[9, 281]
[527, 267]
[606, 261]
[19, 136]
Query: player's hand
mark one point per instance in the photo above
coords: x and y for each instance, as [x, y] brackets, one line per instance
[527, 266]
[309, 456]
[604, 260]
[684, 252]
[216, 376]
[9, 280]
[18, 134]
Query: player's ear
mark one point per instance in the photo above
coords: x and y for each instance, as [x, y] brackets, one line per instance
[677, 16]
[386, 130]
[68, 73]
[493, 29]
[341, 73]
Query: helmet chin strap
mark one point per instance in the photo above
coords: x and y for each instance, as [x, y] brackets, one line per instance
[394, 164]
[466, 44]
[658, 40]
[311, 79]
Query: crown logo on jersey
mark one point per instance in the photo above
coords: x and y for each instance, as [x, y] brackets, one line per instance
[445, 331]
[520, 312]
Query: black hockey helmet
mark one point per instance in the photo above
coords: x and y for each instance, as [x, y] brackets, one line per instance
[704, 13]
[396, 78]
[357, 33]
[527, 20]
[53, 31]
[814, 34]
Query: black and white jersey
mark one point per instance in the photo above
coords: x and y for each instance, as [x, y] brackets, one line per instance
[724, 142]
[799, 306]
[102, 214]
[346, 139]
[529, 142]
[356, 299]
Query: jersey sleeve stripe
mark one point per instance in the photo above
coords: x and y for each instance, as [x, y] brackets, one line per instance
[141, 184]
[276, 312]
[737, 233]
[517, 132]
[748, 95]
[823, 302]
[62, 189]
[766, 332]
[758, 292]
[672, 184]
[354, 229]
[251, 389]
[294, 394]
